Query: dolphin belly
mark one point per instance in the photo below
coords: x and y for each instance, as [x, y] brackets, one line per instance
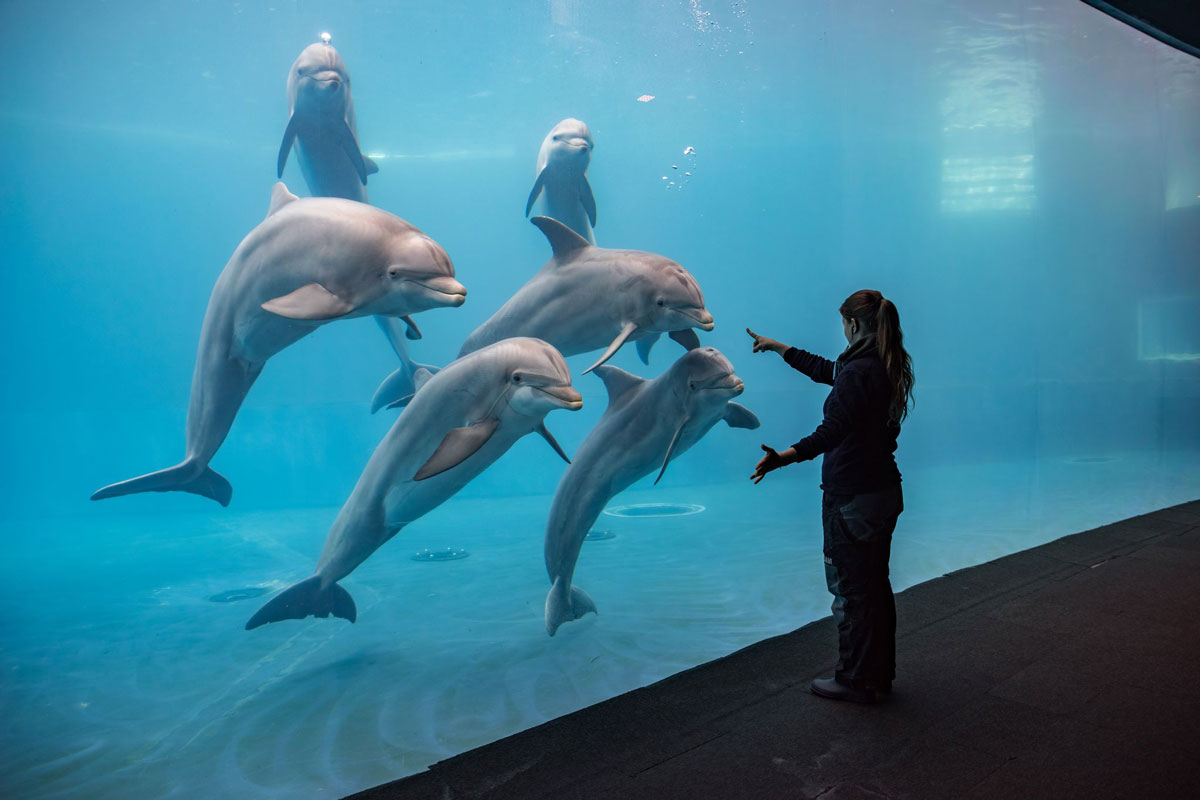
[326, 169]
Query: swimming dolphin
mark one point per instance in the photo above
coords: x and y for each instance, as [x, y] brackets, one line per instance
[646, 425]
[310, 261]
[459, 422]
[562, 178]
[589, 297]
[322, 128]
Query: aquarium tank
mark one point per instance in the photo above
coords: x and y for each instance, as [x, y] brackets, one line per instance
[1022, 180]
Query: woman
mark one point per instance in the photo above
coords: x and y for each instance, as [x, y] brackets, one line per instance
[872, 384]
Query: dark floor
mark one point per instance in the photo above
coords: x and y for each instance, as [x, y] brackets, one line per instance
[1071, 670]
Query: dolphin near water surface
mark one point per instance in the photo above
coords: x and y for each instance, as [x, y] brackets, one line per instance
[562, 181]
[311, 261]
[459, 421]
[322, 128]
[646, 425]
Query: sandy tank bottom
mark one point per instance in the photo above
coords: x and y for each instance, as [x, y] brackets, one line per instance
[127, 672]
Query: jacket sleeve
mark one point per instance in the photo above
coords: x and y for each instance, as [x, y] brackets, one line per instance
[815, 367]
[846, 404]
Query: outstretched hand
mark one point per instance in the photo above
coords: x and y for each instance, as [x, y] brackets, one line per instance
[762, 344]
[773, 460]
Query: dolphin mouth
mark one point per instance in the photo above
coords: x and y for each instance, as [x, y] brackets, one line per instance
[567, 397]
[703, 319]
[730, 383]
[445, 286]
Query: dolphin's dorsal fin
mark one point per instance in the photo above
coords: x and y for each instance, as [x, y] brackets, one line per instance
[617, 381]
[563, 241]
[738, 416]
[280, 197]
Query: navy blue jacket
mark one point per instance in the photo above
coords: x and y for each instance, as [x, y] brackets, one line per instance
[856, 436]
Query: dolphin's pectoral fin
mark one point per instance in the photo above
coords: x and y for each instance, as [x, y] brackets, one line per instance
[625, 333]
[349, 145]
[563, 241]
[180, 478]
[306, 599]
[587, 199]
[312, 301]
[372, 167]
[617, 381]
[563, 606]
[686, 337]
[413, 331]
[538, 185]
[671, 449]
[285, 147]
[644, 344]
[549, 437]
[738, 416]
[280, 197]
[458, 445]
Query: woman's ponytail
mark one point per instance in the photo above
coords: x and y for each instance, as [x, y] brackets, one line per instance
[876, 313]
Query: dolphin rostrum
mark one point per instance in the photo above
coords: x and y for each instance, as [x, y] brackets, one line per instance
[321, 126]
[589, 297]
[646, 425]
[459, 421]
[562, 178]
[312, 260]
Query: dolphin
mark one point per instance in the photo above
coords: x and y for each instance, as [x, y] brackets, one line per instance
[589, 297]
[321, 126]
[310, 261]
[646, 425]
[562, 178]
[459, 421]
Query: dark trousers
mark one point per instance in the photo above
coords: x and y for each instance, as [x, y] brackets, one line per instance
[858, 544]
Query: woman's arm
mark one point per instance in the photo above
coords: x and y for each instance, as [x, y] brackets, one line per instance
[815, 367]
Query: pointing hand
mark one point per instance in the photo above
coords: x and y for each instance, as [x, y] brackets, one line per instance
[763, 344]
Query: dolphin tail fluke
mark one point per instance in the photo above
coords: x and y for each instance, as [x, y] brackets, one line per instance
[306, 599]
[399, 387]
[180, 478]
[562, 606]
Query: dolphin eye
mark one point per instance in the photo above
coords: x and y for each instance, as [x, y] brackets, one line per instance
[516, 378]
[661, 302]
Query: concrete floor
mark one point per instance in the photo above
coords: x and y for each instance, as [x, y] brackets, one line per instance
[1071, 670]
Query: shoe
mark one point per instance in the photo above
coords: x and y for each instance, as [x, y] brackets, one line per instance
[829, 687]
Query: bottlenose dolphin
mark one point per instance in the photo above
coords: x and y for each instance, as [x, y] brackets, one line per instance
[459, 422]
[310, 261]
[589, 297]
[646, 425]
[322, 127]
[562, 178]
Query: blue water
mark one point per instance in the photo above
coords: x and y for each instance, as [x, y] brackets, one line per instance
[1022, 180]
